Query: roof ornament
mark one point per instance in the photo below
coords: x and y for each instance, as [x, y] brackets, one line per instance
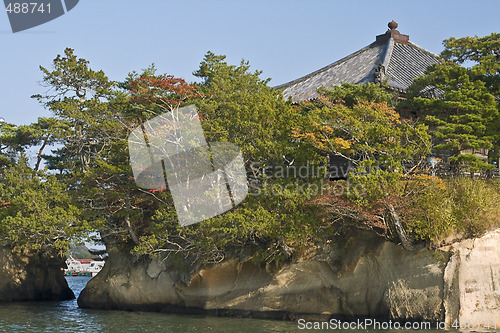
[392, 25]
[394, 34]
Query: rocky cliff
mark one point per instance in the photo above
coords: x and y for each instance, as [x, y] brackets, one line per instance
[28, 277]
[360, 275]
[472, 280]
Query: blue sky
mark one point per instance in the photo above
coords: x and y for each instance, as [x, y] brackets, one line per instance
[285, 39]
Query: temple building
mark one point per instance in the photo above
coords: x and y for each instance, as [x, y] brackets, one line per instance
[390, 59]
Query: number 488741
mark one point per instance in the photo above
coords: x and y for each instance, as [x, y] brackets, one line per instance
[477, 323]
[27, 8]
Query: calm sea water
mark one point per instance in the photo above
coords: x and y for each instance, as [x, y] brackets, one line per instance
[67, 317]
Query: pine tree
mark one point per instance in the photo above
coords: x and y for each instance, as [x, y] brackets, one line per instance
[461, 104]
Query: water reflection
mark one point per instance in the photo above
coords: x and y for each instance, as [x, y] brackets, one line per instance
[66, 316]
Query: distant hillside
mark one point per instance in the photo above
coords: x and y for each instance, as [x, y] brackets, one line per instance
[80, 252]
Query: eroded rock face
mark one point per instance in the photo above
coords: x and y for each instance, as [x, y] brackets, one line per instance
[31, 278]
[472, 280]
[363, 275]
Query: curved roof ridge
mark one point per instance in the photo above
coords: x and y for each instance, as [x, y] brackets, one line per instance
[407, 62]
[344, 59]
[424, 50]
[388, 52]
[391, 58]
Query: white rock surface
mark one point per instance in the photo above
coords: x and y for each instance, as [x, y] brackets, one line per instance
[472, 281]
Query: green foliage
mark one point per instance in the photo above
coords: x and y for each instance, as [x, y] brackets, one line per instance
[90, 121]
[43, 133]
[484, 52]
[37, 211]
[77, 96]
[465, 207]
[10, 144]
[280, 220]
[464, 113]
[15, 139]
[367, 187]
[461, 118]
[369, 134]
[235, 105]
[272, 218]
[239, 107]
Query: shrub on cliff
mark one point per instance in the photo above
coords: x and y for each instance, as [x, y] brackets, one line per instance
[456, 207]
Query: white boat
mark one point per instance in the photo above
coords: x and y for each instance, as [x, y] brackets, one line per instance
[83, 267]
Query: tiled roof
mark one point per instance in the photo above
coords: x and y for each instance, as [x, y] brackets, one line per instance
[406, 63]
[391, 57]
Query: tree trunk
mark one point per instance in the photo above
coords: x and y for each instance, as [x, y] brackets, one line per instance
[405, 241]
[127, 221]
